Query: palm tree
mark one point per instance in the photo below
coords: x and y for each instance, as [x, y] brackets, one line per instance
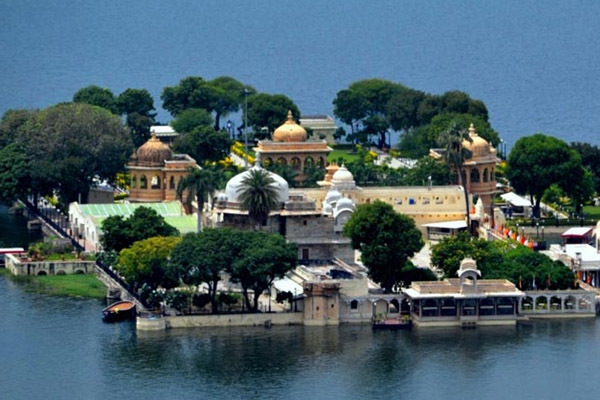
[455, 154]
[258, 196]
[199, 183]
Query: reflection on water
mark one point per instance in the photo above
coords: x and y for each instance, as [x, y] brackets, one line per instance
[13, 230]
[58, 348]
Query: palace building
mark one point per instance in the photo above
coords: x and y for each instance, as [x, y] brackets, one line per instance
[291, 146]
[155, 172]
[479, 170]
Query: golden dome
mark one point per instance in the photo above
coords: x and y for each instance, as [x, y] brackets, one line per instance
[290, 131]
[478, 146]
[153, 153]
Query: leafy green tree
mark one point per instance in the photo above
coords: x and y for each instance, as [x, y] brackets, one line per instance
[222, 96]
[428, 169]
[455, 154]
[590, 158]
[138, 101]
[386, 240]
[411, 274]
[402, 109]
[14, 126]
[190, 119]
[14, 173]
[258, 195]
[201, 184]
[70, 146]
[119, 233]
[581, 189]
[270, 110]
[448, 253]
[203, 257]
[97, 96]
[146, 262]
[264, 258]
[137, 105]
[204, 144]
[538, 161]
[350, 107]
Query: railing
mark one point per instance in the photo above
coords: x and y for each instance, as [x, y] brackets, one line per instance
[47, 218]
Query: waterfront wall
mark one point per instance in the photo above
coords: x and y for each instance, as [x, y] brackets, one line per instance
[18, 267]
[225, 320]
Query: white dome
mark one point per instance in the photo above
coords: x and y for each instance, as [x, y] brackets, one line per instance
[234, 183]
[345, 203]
[342, 175]
[332, 196]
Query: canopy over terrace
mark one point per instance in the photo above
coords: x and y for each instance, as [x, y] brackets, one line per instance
[440, 230]
[577, 235]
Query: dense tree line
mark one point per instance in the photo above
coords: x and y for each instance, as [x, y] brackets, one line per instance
[252, 259]
[61, 150]
[499, 260]
[373, 108]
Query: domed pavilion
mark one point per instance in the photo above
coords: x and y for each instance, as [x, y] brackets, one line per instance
[290, 146]
[480, 169]
[155, 172]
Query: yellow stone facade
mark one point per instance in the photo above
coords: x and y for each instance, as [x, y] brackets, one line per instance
[291, 147]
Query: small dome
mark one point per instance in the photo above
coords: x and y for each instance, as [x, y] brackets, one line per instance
[234, 183]
[343, 175]
[332, 196]
[290, 131]
[478, 146]
[345, 203]
[468, 264]
[153, 153]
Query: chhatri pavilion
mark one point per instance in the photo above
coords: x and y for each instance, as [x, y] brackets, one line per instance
[155, 172]
[291, 146]
[479, 169]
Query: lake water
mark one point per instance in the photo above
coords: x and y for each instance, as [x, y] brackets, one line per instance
[58, 348]
[535, 64]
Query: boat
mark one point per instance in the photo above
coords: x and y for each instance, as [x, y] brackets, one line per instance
[119, 311]
[392, 324]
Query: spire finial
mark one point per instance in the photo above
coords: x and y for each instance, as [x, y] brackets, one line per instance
[472, 130]
[290, 116]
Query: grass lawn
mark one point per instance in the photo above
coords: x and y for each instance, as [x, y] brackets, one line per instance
[65, 285]
[344, 153]
[592, 212]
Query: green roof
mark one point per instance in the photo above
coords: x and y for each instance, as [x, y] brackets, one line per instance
[171, 212]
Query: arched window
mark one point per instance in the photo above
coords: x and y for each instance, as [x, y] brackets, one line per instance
[281, 161]
[354, 305]
[134, 182]
[155, 183]
[485, 175]
[295, 163]
[308, 163]
[143, 182]
[172, 183]
[474, 175]
[321, 162]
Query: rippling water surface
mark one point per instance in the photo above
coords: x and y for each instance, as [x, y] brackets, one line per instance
[535, 64]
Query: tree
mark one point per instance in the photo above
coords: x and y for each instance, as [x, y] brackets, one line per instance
[137, 105]
[228, 96]
[146, 262]
[270, 110]
[202, 258]
[199, 183]
[455, 154]
[386, 240]
[350, 107]
[264, 258]
[538, 161]
[426, 170]
[204, 144]
[221, 95]
[590, 158]
[190, 119]
[119, 233]
[138, 101]
[402, 109]
[14, 173]
[258, 195]
[97, 96]
[71, 146]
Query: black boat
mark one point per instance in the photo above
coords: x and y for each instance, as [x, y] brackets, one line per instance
[119, 311]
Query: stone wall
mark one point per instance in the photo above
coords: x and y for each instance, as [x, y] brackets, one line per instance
[17, 267]
[202, 321]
